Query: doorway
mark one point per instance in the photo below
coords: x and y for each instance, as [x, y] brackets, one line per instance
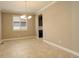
[40, 26]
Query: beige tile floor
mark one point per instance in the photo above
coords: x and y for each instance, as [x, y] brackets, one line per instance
[30, 48]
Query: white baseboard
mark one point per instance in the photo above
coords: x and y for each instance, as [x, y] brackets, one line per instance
[61, 47]
[29, 37]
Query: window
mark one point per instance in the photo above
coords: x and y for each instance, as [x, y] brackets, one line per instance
[19, 24]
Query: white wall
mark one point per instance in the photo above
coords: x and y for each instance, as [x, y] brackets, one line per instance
[0, 27]
[57, 24]
[7, 31]
[75, 26]
[36, 25]
[61, 24]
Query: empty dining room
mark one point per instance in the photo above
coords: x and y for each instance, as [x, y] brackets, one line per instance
[39, 29]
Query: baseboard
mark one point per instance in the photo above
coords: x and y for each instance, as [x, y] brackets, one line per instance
[29, 37]
[63, 48]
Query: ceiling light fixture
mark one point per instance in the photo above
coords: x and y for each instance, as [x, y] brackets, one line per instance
[29, 17]
[25, 16]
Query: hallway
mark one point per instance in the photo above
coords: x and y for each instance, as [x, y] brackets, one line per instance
[30, 48]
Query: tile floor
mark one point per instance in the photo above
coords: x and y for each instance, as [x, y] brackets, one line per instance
[30, 48]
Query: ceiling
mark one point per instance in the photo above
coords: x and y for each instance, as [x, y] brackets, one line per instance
[22, 6]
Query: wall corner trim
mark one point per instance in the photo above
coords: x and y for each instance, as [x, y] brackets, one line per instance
[61, 47]
[45, 7]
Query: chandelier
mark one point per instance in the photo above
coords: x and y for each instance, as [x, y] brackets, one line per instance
[24, 16]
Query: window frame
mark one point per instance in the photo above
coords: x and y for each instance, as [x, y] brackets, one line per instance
[20, 24]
